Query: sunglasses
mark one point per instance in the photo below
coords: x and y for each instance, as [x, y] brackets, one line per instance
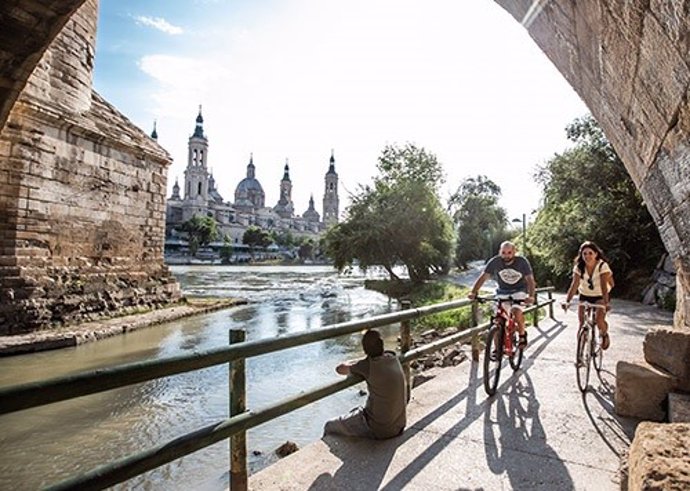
[590, 283]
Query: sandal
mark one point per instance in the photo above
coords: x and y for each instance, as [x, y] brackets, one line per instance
[605, 341]
[522, 344]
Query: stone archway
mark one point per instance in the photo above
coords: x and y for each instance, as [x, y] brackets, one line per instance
[627, 60]
[630, 62]
[28, 28]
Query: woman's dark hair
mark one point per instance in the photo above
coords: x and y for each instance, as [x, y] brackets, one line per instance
[588, 244]
[372, 343]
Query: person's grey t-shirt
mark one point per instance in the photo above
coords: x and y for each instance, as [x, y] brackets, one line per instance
[385, 407]
[510, 278]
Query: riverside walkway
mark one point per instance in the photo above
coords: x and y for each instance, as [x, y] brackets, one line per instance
[537, 432]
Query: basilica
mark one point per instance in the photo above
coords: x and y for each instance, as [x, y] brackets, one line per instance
[201, 197]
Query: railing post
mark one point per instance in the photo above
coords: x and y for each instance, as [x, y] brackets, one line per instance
[475, 339]
[535, 314]
[406, 344]
[550, 293]
[238, 403]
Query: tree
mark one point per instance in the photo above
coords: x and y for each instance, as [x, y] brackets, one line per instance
[256, 237]
[397, 220]
[478, 218]
[226, 250]
[588, 195]
[306, 249]
[283, 238]
[201, 230]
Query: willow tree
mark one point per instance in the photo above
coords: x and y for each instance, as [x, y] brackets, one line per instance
[478, 218]
[397, 220]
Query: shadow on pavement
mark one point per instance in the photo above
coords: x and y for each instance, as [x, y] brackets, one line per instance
[615, 431]
[371, 459]
[516, 434]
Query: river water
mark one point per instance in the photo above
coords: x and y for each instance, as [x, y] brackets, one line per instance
[44, 445]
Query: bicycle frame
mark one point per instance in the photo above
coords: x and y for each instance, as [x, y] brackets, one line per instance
[500, 342]
[588, 351]
[509, 325]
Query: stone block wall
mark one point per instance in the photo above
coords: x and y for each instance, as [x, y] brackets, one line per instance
[82, 198]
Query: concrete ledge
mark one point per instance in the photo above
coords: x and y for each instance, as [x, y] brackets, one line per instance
[659, 457]
[93, 331]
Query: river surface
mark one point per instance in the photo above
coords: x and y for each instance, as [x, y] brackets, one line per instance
[44, 445]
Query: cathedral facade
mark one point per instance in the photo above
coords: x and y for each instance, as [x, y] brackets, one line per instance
[199, 195]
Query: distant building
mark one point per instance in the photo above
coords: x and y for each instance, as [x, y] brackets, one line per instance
[201, 197]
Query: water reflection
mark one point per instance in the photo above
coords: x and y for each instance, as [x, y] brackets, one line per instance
[43, 445]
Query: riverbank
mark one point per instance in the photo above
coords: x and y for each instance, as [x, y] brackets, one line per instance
[74, 335]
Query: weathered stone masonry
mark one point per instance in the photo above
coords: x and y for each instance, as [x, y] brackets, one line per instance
[82, 198]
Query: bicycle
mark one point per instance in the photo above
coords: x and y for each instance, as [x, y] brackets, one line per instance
[501, 340]
[589, 350]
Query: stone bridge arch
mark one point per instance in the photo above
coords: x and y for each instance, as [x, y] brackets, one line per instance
[28, 28]
[629, 61]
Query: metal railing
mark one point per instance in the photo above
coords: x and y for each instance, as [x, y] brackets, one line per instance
[25, 396]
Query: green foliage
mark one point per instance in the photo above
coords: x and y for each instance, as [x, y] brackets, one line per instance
[398, 220]
[588, 195]
[667, 301]
[410, 163]
[430, 293]
[201, 230]
[284, 238]
[256, 237]
[479, 220]
[226, 250]
[306, 249]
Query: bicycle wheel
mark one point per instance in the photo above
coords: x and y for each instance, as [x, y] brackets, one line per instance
[582, 361]
[597, 352]
[493, 356]
[515, 357]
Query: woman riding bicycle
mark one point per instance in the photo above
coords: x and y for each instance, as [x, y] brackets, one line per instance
[593, 279]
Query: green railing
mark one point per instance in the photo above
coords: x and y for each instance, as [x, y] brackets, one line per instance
[25, 396]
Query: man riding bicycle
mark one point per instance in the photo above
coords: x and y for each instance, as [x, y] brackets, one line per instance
[515, 279]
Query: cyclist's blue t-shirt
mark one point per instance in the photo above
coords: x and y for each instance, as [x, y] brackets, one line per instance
[510, 278]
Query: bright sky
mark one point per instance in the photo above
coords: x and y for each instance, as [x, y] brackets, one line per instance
[296, 78]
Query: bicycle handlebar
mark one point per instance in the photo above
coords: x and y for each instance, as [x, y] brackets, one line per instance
[500, 299]
[586, 305]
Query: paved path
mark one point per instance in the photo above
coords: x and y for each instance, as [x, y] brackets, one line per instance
[538, 432]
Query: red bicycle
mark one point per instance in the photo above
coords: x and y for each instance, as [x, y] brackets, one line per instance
[501, 341]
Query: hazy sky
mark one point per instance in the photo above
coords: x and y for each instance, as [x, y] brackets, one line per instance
[296, 78]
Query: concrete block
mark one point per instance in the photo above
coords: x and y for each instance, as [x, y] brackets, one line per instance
[641, 391]
[669, 349]
[659, 457]
[679, 408]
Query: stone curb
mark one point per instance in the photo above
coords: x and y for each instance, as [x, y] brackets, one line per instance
[93, 331]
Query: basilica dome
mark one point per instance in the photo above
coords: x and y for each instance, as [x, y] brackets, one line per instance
[249, 193]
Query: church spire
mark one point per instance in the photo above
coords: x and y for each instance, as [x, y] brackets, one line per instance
[286, 173]
[199, 128]
[250, 167]
[154, 133]
[331, 166]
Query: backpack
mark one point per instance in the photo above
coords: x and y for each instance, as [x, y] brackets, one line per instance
[611, 282]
